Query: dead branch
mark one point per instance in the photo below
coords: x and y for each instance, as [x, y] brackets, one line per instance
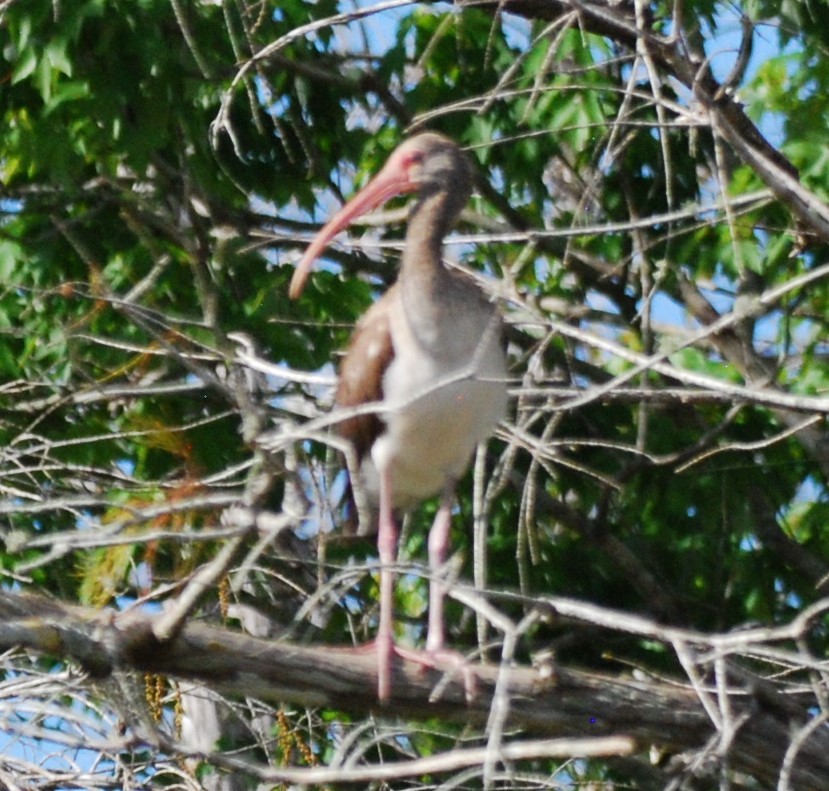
[545, 700]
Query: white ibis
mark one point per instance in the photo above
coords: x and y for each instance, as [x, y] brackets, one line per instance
[430, 354]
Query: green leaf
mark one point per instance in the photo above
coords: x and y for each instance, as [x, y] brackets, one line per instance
[26, 64]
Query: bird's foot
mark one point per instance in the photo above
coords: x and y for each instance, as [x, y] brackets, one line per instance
[450, 663]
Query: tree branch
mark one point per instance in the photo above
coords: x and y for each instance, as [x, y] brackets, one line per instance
[546, 700]
[725, 113]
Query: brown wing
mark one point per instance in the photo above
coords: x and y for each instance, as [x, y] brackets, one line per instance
[361, 373]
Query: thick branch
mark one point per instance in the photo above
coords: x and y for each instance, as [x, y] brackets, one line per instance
[546, 700]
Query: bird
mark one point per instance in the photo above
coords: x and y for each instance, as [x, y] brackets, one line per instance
[430, 354]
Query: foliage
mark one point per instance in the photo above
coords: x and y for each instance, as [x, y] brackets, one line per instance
[163, 164]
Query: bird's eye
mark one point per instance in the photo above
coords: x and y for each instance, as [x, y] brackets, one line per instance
[414, 158]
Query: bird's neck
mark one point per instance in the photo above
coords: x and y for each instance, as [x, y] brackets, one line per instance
[427, 285]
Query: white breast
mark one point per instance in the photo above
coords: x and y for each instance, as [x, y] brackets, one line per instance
[438, 408]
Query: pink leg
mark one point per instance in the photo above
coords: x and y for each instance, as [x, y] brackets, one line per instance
[387, 550]
[438, 550]
[435, 653]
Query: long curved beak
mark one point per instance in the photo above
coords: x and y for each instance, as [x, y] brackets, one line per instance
[392, 180]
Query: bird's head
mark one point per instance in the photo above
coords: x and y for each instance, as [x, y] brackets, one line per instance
[426, 163]
[428, 160]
